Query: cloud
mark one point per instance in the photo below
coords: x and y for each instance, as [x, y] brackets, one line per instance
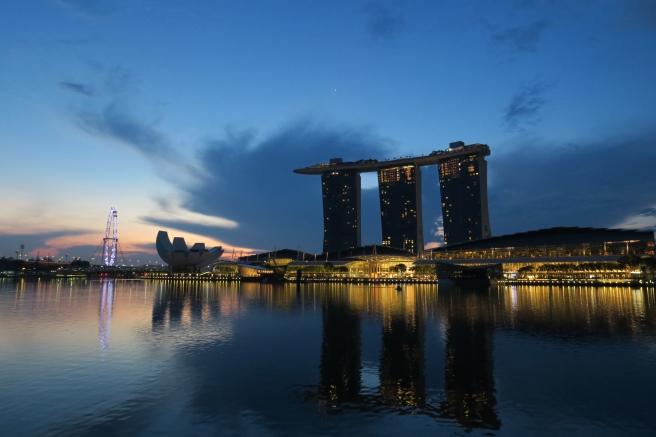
[172, 212]
[91, 8]
[647, 212]
[640, 13]
[44, 242]
[598, 184]
[525, 105]
[250, 181]
[119, 81]
[79, 88]
[115, 123]
[436, 233]
[382, 23]
[523, 38]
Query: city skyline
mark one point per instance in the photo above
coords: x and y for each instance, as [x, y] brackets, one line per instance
[190, 117]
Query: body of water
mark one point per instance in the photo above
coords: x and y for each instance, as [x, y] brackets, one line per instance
[116, 357]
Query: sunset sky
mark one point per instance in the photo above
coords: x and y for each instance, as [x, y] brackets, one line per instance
[190, 115]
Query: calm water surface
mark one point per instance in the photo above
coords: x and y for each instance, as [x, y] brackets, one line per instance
[158, 358]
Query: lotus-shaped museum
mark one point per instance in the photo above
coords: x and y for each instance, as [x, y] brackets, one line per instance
[178, 255]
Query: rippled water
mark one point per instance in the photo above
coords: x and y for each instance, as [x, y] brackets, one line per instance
[159, 358]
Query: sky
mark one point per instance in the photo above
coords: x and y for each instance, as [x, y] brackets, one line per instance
[190, 115]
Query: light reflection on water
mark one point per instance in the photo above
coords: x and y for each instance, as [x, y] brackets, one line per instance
[152, 357]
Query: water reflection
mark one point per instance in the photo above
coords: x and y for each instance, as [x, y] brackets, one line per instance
[402, 353]
[469, 371]
[470, 318]
[576, 311]
[468, 389]
[105, 311]
[340, 350]
[267, 359]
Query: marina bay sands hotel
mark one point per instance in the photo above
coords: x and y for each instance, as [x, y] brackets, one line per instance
[463, 188]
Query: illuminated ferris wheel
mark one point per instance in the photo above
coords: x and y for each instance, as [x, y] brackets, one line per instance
[110, 242]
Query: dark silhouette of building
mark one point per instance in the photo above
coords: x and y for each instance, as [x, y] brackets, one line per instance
[341, 208]
[402, 380]
[463, 188]
[463, 182]
[400, 207]
[341, 351]
[469, 371]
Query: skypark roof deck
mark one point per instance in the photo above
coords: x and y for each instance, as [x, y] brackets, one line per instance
[370, 165]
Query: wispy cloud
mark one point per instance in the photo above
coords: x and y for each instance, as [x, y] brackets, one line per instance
[647, 212]
[79, 88]
[114, 122]
[172, 212]
[382, 21]
[120, 81]
[523, 38]
[525, 105]
[92, 8]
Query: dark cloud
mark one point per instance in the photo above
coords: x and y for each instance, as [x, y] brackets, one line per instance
[39, 241]
[523, 38]
[114, 81]
[525, 105]
[641, 13]
[92, 8]
[80, 88]
[594, 184]
[115, 123]
[251, 182]
[382, 22]
[647, 212]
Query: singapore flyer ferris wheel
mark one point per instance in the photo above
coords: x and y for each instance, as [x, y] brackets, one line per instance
[110, 242]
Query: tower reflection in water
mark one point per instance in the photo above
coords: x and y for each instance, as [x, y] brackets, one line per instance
[469, 372]
[468, 384]
[340, 351]
[380, 350]
[105, 312]
[402, 379]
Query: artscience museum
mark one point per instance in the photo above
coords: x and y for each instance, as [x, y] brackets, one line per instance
[181, 258]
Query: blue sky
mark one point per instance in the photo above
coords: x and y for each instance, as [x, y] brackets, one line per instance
[189, 116]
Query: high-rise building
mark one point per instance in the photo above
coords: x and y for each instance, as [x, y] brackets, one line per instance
[463, 188]
[400, 207]
[463, 181]
[341, 208]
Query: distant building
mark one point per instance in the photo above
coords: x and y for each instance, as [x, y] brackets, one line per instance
[463, 188]
[341, 208]
[562, 252]
[181, 258]
[566, 244]
[369, 262]
[399, 189]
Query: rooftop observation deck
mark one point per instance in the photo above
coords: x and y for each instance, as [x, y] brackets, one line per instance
[369, 165]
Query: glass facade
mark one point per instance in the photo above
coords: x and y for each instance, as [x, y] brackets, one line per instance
[629, 247]
[341, 210]
[463, 188]
[399, 189]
